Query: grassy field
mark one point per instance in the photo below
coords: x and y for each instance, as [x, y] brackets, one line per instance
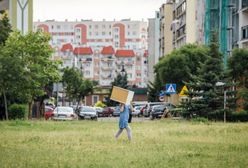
[92, 144]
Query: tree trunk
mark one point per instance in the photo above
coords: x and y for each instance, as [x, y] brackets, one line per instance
[41, 108]
[5, 105]
[30, 109]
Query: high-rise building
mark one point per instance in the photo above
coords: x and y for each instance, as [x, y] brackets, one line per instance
[166, 34]
[153, 44]
[20, 13]
[101, 48]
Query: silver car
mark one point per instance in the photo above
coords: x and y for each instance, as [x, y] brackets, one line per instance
[87, 112]
[64, 113]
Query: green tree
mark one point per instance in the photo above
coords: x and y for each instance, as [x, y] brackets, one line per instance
[76, 86]
[35, 70]
[179, 66]
[5, 29]
[205, 97]
[238, 71]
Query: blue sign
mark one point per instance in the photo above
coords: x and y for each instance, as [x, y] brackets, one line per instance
[171, 88]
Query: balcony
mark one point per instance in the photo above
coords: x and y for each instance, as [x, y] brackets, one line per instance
[107, 68]
[106, 76]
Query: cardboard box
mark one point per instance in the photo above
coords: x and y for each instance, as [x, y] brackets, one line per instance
[122, 95]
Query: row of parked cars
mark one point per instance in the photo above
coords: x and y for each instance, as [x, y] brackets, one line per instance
[151, 109]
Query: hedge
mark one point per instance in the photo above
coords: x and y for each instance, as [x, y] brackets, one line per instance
[17, 111]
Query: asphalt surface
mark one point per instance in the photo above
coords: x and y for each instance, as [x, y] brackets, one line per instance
[116, 119]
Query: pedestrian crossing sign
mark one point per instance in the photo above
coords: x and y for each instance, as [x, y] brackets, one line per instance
[170, 88]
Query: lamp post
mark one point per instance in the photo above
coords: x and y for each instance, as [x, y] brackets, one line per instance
[223, 85]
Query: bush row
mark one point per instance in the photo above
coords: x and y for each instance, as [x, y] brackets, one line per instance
[17, 111]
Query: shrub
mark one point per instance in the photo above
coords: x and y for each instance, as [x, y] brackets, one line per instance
[17, 111]
[241, 116]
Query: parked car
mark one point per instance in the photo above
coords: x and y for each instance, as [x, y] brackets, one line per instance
[99, 111]
[137, 111]
[64, 113]
[107, 112]
[87, 112]
[158, 110]
[48, 112]
[116, 113]
[148, 108]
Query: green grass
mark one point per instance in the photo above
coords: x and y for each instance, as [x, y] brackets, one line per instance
[92, 144]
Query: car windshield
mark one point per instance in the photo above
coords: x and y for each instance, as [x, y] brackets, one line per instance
[64, 109]
[138, 107]
[87, 109]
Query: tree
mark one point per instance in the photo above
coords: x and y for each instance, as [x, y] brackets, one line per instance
[205, 97]
[5, 29]
[76, 86]
[179, 66]
[30, 54]
[238, 71]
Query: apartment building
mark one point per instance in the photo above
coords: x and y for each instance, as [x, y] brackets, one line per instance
[166, 34]
[98, 48]
[20, 14]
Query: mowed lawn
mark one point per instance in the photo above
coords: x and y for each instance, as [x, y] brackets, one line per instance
[161, 143]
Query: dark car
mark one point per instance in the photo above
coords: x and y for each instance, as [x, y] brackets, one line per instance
[148, 108]
[158, 110]
[107, 112]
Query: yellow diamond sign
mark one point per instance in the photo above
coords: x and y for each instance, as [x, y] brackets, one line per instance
[182, 93]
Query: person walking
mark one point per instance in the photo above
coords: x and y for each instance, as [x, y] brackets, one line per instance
[123, 122]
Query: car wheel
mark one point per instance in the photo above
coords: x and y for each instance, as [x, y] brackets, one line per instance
[81, 118]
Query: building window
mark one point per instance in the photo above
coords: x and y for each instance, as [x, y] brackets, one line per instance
[110, 33]
[95, 99]
[90, 33]
[90, 26]
[96, 33]
[58, 27]
[96, 26]
[134, 32]
[103, 33]
[103, 26]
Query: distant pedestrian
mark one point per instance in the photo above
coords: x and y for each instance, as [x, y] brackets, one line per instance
[123, 121]
[130, 113]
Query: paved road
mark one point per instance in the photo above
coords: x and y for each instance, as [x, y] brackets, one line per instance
[116, 119]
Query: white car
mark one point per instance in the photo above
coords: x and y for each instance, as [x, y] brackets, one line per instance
[87, 112]
[64, 113]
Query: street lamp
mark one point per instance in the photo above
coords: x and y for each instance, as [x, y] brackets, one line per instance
[223, 85]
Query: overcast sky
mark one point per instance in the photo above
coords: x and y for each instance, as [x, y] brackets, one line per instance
[95, 9]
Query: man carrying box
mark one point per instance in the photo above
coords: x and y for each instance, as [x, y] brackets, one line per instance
[124, 97]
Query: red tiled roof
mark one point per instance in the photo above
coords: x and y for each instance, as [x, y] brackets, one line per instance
[146, 53]
[67, 47]
[83, 51]
[124, 53]
[108, 50]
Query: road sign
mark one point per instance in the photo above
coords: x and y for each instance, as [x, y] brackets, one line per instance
[182, 93]
[171, 88]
